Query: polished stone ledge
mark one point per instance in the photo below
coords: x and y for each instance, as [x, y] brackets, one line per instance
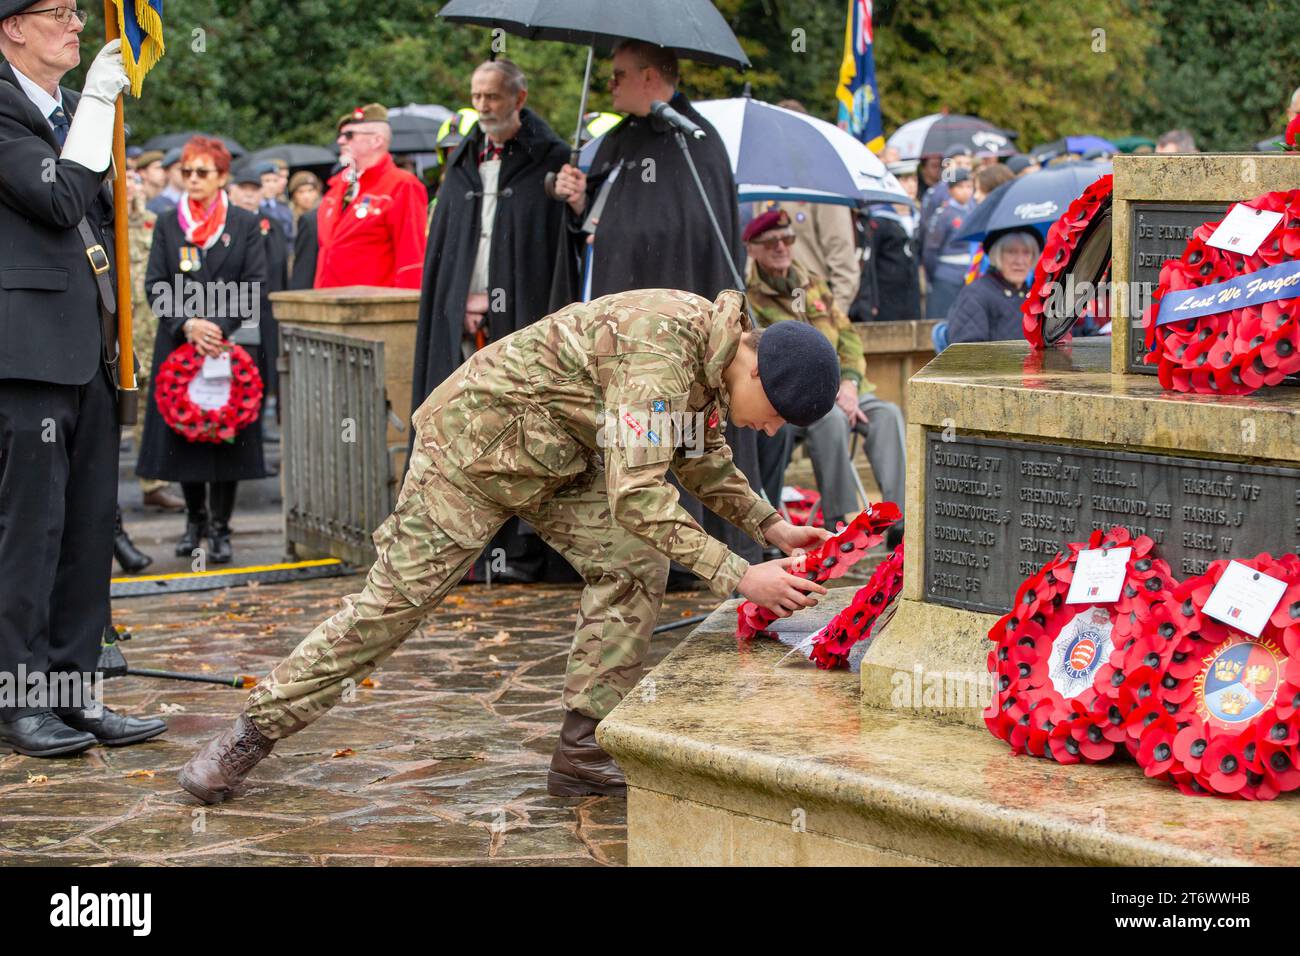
[734, 760]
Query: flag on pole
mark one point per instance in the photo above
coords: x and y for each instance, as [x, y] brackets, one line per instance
[859, 98]
[140, 23]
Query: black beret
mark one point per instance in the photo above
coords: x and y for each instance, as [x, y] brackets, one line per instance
[9, 7]
[799, 370]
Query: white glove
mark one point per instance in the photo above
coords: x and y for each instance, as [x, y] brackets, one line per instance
[106, 77]
[90, 138]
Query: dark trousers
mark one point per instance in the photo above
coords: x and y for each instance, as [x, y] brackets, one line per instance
[58, 495]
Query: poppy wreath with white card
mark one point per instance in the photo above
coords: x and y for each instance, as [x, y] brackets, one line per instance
[1241, 329]
[204, 407]
[1232, 696]
[1050, 655]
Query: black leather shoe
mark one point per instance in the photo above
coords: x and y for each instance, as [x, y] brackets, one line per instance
[219, 540]
[129, 558]
[113, 729]
[195, 532]
[43, 735]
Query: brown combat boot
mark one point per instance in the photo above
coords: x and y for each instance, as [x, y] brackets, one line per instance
[579, 766]
[215, 771]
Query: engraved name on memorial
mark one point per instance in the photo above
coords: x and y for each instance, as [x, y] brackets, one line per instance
[996, 511]
[1158, 232]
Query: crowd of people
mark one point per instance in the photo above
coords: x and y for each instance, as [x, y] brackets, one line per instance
[486, 243]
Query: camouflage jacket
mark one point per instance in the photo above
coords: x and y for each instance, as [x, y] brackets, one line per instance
[818, 309]
[631, 382]
[140, 228]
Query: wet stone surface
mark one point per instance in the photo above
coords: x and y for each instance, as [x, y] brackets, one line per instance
[443, 761]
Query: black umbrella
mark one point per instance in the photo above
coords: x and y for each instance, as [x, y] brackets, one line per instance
[167, 141]
[693, 29]
[414, 134]
[296, 155]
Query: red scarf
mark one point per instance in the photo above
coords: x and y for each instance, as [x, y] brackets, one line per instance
[202, 226]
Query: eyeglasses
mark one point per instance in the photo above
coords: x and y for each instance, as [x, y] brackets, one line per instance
[347, 134]
[188, 171]
[786, 241]
[62, 15]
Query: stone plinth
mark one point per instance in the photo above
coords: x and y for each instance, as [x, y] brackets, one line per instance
[895, 352]
[1003, 392]
[367, 312]
[731, 759]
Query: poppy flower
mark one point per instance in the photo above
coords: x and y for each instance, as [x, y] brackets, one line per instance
[857, 622]
[195, 424]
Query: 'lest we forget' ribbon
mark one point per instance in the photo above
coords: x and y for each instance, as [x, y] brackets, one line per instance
[1281, 281]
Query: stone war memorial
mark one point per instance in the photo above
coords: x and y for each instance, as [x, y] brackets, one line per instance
[736, 757]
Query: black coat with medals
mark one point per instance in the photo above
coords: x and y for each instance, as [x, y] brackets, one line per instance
[239, 256]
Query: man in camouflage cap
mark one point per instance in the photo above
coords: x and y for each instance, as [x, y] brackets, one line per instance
[572, 424]
[779, 290]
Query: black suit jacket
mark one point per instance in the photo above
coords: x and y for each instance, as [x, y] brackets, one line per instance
[50, 326]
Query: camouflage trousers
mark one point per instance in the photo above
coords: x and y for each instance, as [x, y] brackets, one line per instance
[426, 546]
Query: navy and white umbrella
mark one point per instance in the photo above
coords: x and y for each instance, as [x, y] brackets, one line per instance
[782, 154]
[936, 133]
[1033, 201]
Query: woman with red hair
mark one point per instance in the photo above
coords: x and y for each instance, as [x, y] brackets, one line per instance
[206, 282]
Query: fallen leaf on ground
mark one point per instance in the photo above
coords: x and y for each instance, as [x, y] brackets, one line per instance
[37, 777]
[345, 752]
[140, 773]
[500, 638]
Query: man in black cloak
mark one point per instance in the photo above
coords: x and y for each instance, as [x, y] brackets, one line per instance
[493, 241]
[637, 222]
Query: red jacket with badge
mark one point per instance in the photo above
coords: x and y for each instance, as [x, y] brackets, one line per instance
[379, 238]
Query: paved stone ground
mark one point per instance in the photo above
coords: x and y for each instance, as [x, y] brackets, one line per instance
[442, 762]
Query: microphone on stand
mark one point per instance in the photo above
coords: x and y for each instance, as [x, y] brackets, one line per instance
[675, 119]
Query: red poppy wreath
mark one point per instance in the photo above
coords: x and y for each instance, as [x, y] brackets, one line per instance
[1228, 703]
[1059, 253]
[869, 611]
[829, 560]
[207, 419]
[1237, 350]
[1051, 659]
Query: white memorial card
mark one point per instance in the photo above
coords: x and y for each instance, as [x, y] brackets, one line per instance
[1244, 598]
[1098, 576]
[1244, 229]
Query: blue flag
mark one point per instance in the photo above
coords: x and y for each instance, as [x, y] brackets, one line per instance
[859, 98]
[140, 23]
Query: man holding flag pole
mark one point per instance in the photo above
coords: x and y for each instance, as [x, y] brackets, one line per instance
[62, 377]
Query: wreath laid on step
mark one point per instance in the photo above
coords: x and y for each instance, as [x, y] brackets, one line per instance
[1059, 684]
[1226, 704]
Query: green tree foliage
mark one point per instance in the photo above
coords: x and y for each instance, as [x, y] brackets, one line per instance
[266, 71]
[1223, 70]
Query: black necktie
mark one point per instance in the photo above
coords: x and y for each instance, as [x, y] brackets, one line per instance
[61, 124]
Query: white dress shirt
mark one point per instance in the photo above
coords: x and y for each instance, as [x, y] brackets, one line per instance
[43, 101]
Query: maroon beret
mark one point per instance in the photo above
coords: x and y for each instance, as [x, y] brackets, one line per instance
[772, 219]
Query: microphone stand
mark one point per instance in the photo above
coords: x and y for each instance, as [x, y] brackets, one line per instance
[708, 208]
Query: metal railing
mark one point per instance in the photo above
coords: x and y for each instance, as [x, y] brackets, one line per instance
[337, 474]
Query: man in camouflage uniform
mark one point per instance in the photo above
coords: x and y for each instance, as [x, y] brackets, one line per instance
[781, 289]
[572, 424]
